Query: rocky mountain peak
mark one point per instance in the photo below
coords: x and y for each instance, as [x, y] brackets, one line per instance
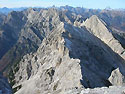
[99, 29]
[94, 22]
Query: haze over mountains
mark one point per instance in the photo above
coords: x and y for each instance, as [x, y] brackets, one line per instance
[6, 10]
[63, 50]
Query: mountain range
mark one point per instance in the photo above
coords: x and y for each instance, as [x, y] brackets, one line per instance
[6, 10]
[63, 50]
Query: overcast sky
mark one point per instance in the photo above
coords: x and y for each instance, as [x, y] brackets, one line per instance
[115, 4]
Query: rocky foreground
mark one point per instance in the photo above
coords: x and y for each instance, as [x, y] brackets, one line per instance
[103, 90]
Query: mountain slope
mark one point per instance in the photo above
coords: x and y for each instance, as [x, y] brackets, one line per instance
[10, 29]
[67, 58]
[97, 27]
[55, 51]
[4, 86]
[29, 37]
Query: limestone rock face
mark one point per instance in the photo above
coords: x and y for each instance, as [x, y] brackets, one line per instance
[98, 28]
[117, 77]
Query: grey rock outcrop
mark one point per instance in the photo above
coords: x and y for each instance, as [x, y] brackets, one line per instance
[105, 90]
[117, 78]
[102, 90]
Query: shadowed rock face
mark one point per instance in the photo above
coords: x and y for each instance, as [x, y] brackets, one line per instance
[57, 51]
[10, 29]
[4, 86]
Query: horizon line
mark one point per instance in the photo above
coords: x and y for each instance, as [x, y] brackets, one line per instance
[107, 8]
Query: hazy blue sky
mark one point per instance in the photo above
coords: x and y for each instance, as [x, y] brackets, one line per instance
[76, 3]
